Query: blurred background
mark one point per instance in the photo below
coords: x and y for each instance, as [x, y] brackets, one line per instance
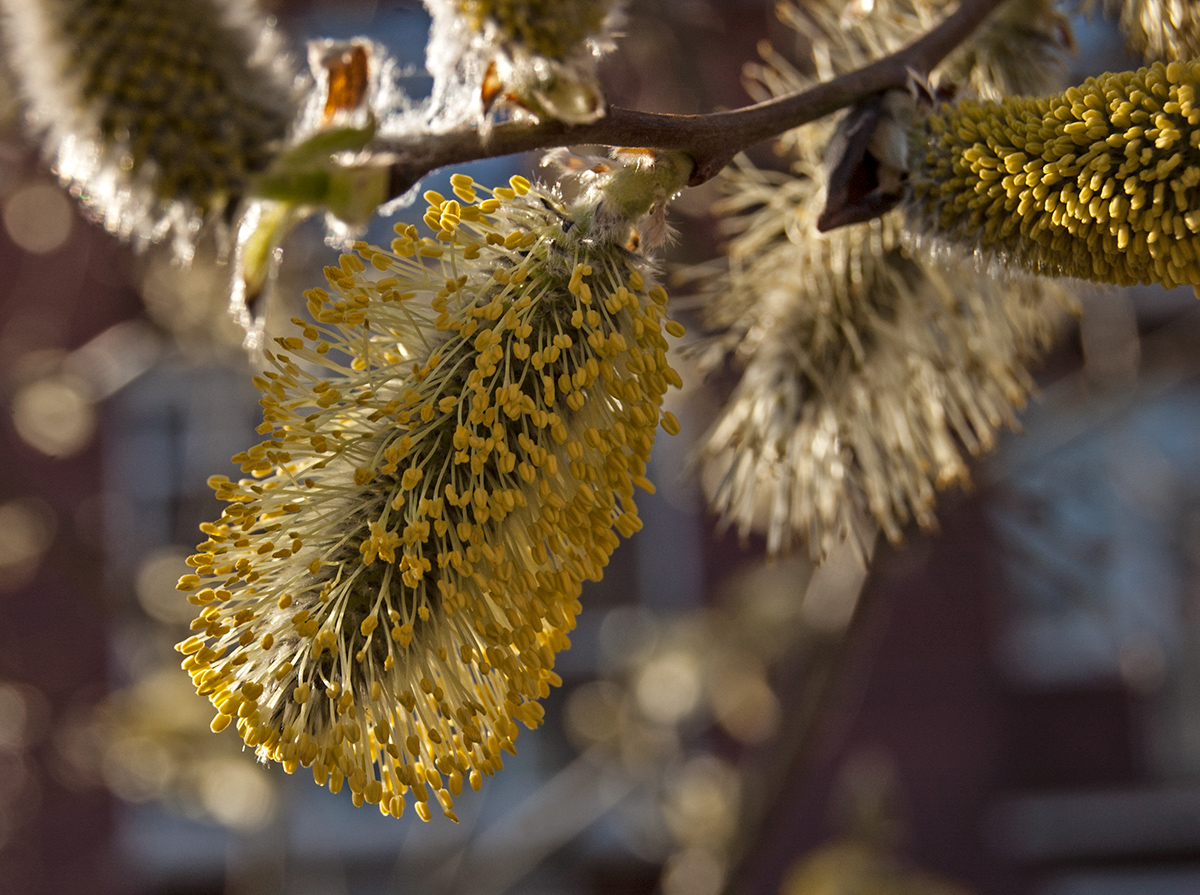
[1009, 707]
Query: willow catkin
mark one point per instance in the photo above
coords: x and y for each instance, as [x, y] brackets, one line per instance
[539, 56]
[385, 593]
[1157, 29]
[1099, 182]
[158, 114]
[549, 28]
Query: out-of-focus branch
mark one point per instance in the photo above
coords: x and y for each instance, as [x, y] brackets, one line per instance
[712, 140]
[820, 698]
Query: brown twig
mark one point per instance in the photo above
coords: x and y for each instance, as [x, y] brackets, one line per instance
[712, 140]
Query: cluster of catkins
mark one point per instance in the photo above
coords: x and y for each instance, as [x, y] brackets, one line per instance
[454, 435]
[874, 356]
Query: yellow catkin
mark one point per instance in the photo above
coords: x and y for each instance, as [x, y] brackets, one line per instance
[461, 464]
[1098, 183]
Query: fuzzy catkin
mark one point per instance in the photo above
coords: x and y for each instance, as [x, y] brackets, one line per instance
[1158, 29]
[157, 113]
[384, 596]
[535, 56]
[542, 27]
[1098, 183]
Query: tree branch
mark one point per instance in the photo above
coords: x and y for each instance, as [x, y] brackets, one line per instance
[712, 140]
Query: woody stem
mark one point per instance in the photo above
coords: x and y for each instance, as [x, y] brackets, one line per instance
[712, 140]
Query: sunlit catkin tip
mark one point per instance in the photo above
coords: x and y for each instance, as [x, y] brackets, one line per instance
[155, 112]
[551, 28]
[537, 55]
[1098, 183]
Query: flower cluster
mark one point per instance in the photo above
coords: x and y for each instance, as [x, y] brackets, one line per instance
[1099, 183]
[451, 443]
[536, 55]
[157, 113]
[868, 367]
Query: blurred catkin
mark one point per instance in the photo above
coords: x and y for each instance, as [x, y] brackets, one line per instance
[1159, 30]
[868, 368]
[536, 56]
[156, 113]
